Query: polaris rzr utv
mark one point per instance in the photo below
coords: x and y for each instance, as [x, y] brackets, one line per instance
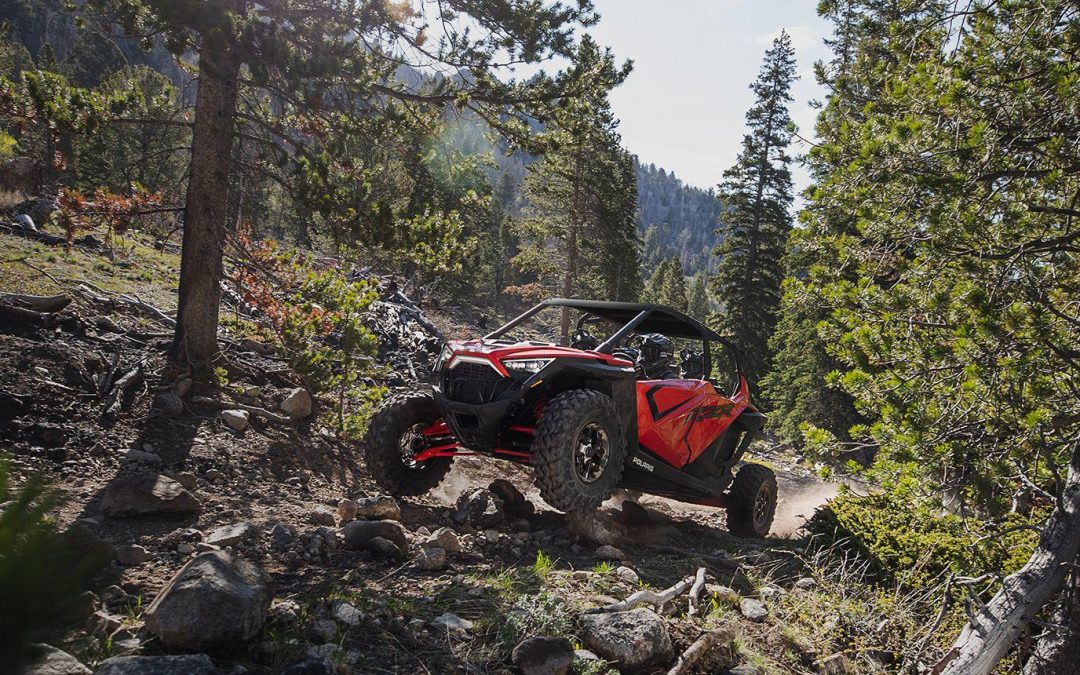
[589, 417]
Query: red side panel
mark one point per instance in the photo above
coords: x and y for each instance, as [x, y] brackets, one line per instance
[678, 419]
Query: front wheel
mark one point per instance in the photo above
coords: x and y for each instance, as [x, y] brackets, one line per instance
[578, 450]
[395, 436]
[751, 503]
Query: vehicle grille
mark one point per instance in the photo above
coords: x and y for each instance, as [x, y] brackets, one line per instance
[473, 383]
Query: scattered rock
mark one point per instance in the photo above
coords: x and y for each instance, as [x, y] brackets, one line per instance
[479, 508]
[753, 610]
[378, 508]
[628, 575]
[283, 612]
[215, 599]
[168, 402]
[723, 594]
[451, 623]
[233, 535]
[544, 656]
[188, 480]
[770, 592]
[346, 613]
[237, 420]
[281, 535]
[346, 510]
[358, 533]
[608, 552]
[297, 405]
[383, 547]
[322, 631]
[322, 516]
[513, 501]
[83, 544]
[805, 584]
[431, 559]
[443, 538]
[632, 639]
[597, 527]
[188, 664]
[585, 655]
[54, 661]
[147, 495]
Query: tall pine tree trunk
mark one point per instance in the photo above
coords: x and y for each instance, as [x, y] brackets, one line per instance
[195, 339]
[997, 625]
[572, 247]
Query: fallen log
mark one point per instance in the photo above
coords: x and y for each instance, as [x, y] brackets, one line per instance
[646, 597]
[231, 405]
[696, 589]
[702, 646]
[37, 303]
[120, 388]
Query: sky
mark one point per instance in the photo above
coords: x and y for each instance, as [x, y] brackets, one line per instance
[683, 108]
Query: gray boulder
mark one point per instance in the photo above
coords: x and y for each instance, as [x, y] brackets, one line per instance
[55, 661]
[479, 508]
[187, 664]
[753, 609]
[544, 656]
[147, 495]
[443, 538]
[215, 599]
[382, 507]
[297, 405]
[233, 535]
[632, 639]
[358, 533]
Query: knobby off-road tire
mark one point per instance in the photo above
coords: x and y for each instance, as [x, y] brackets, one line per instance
[751, 504]
[400, 416]
[565, 481]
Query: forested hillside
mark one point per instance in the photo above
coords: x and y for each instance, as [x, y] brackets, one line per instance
[675, 219]
[248, 422]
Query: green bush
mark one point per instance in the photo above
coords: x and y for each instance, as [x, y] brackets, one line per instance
[42, 572]
[910, 544]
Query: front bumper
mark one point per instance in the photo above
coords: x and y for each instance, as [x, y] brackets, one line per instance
[476, 425]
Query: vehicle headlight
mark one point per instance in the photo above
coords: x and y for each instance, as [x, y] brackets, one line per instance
[526, 365]
[443, 356]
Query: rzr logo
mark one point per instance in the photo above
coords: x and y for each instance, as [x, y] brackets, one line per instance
[642, 463]
[714, 412]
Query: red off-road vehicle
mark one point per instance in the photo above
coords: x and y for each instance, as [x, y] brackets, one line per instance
[590, 417]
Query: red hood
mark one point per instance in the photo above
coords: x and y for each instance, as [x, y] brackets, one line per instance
[496, 353]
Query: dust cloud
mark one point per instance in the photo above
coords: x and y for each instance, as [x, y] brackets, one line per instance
[796, 503]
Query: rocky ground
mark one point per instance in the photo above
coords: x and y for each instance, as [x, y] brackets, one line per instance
[245, 537]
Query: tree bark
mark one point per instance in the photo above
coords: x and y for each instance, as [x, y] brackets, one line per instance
[195, 340]
[992, 630]
[571, 248]
[1056, 651]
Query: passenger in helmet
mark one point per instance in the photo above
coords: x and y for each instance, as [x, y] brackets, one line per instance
[656, 360]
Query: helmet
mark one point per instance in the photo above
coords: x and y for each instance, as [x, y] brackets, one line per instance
[657, 357]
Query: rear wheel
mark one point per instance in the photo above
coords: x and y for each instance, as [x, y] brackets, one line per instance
[578, 450]
[395, 436]
[751, 504]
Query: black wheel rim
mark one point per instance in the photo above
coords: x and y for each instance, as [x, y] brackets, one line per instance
[591, 453]
[761, 508]
[411, 443]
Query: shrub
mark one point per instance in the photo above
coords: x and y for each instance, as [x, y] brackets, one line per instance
[910, 544]
[41, 572]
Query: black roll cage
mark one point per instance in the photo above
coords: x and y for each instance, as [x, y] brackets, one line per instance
[648, 317]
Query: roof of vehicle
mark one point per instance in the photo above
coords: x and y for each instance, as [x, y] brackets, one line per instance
[661, 319]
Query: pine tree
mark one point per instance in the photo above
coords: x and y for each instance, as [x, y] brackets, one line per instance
[582, 194]
[757, 194]
[952, 279]
[667, 286]
[697, 298]
[328, 65]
